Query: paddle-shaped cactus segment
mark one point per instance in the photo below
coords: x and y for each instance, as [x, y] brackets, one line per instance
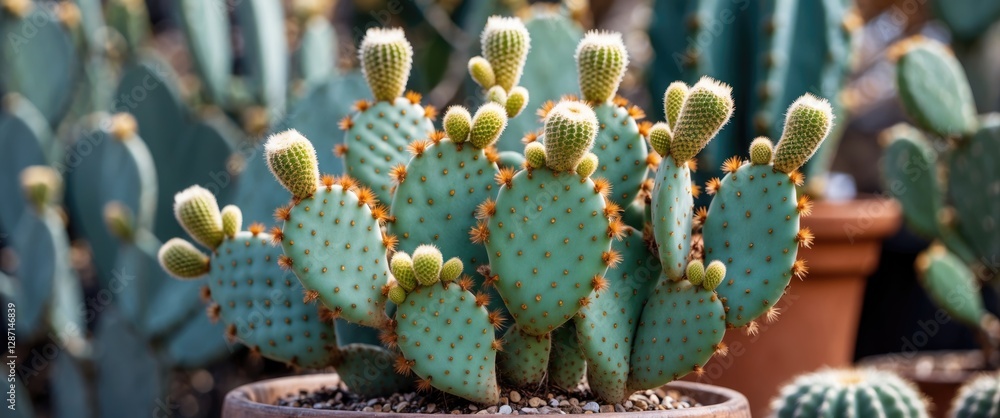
[23, 143]
[438, 192]
[605, 328]
[446, 334]
[260, 303]
[978, 398]
[707, 107]
[752, 225]
[549, 233]
[262, 26]
[377, 135]
[316, 57]
[567, 365]
[332, 237]
[951, 285]
[621, 150]
[847, 393]
[524, 360]
[206, 26]
[681, 327]
[505, 43]
[973, 172]
[910, 173]
[369, 370]
[672, 201]
[601, 61]
[933, 88]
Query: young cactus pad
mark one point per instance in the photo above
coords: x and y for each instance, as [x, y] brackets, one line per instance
[933, 88]
[332, 240]
[376, 137]
[849, 393]
[260, 303]
[978, 398]
[707, 107]
[601, 61]
[446, 335]
[548, 235]
[505, 43]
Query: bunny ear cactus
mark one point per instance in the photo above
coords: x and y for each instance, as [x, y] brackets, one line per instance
[549, 232]
[705, 108]
[505, 44]
[331, 236]
[978, 398]
[951, 284]
[377, 135]
[437, 193]
[260, 303]
[601, 63]
[444, 332]
[752, 225]
[849, 393]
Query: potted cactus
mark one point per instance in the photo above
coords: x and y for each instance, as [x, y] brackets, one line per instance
[567, 294]
[933, 171]
[842, 393]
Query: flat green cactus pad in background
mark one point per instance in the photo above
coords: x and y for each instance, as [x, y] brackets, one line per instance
[377, 138]
[206, 26]
[680, 328]
[41, 245]
[369, 371]
[264, 304]
[967, 19]
[70, 392]
[336, 250]
[621, 152]
[448, 339]
[198, 343]
[751, 227]
[21, 146]
[39, 61]
[546, 243]
[606, 328]
[567, 364]
[934, 90]
[316, 57]
[910, 171]
[525, 358]
[673, 204]
[262, 27]
[974, 173]
[553, 39]
[436, 202]
[257, 191]
[951, 284]
[125, 392]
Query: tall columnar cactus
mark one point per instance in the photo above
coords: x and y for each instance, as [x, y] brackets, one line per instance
[849, 393]
[601, 63]
[978, 398]
[444, 331]
[377, 135]
[936, 94]
[549, 232]
[752, 225]
[331, 233]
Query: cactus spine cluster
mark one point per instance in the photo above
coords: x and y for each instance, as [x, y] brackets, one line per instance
[849, 393]
[933, 170]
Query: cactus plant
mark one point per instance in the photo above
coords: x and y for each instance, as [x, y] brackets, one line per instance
[963, 145]
[849, 393]
[978, 398]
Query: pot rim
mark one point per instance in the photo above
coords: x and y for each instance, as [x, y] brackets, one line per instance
[907, 366]
[255, 399]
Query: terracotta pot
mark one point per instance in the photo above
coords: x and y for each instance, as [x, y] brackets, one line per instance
[257, 400]
[819, 315]
[938, 374]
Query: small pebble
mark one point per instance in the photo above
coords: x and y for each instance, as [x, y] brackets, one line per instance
[473, 407]
[592, 407]
[492, 409]
[483, 412]
[619, 408]
[529, 411]
[607, 408]
[505, 410]
[368, 409]
[431, 407]
[515, 396]
[535, 402]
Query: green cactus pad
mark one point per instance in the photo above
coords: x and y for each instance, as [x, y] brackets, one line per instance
[696, 272]
[317, 53]
[336, 249]
[264, 303]
[910, 172]
[934, 90]
[401, 267]
[621, 151]
[39, 241]
[232, 220]
[715, 273]
[517, 100]
[951, 285]
[847, 393]
[457, 124]
[570, 130]
[761, 151]
[21, 145]
[427, 262]
[524, 360]
[182, 260]
[567, 365]
[505, 43]
[807, 124]
[978, 398]
[680, 329]
[198, 212]
[448, 339]
[377, 141]
[386, 57]
[511, 159]
[292, 160]
[482, 72]
[262, 26]
[546, 243]
[974, 173]
[436, 202]
[708, 106]
[673, 215]
[601, 61]
[751, 227]
[606, 327]
[487, 125]
[660, 137]
[368, 370]
[673, 100]
[206, 27]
